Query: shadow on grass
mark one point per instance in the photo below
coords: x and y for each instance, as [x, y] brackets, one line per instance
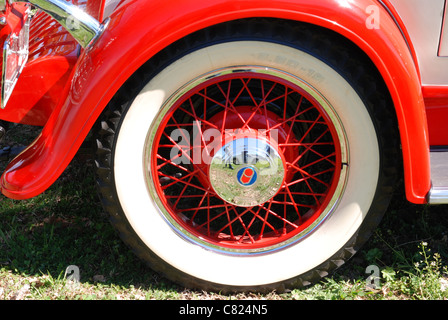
[66, 226]
[397, 242]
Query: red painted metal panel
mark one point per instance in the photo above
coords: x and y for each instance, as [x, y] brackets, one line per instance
[140, 29]
[436, 100]
[53, 53]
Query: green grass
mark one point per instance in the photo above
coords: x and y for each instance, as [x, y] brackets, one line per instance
[41, 237]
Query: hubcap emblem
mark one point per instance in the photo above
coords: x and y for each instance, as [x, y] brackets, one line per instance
[247, 172]
[247, 176]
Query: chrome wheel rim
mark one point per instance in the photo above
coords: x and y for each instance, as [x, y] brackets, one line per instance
[279, 187]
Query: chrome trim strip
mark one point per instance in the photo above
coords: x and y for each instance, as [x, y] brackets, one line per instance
[83, 27]
[438, 195]
[403, 34]
[23, 52]
[4, 97]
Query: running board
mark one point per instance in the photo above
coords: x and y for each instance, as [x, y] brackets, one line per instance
[439, 177]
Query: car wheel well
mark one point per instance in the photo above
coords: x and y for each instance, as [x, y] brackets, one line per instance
[331, 47]
[323, 44]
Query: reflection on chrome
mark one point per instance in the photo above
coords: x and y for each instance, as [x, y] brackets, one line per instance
[247, 172]
[15, 56]
[84, 28]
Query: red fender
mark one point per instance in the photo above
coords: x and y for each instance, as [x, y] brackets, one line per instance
[139, 29]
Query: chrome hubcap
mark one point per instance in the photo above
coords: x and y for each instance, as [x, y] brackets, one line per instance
[247, 171]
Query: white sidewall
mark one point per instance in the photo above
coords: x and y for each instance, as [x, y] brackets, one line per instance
[151, 227]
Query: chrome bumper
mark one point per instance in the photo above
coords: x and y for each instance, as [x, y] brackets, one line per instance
[439, 176]
[438, 196]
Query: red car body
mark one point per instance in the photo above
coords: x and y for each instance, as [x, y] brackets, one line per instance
[81, 87]
[72, 85]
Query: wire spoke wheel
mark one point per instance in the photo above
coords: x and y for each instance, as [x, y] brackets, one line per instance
[247, 161]
[238, 161]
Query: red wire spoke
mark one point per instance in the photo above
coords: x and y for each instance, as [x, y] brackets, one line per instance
[256, 215]
[288, 138]
[199, 207]
[232, 235]
[310, 146]
[285, 212]
[287, 221]
[175, 144]
[307, 145]
[228, 104]
[309, 175]
[287, 203]
[310, 128]
[303, 193]
[183, 191]
[186, 197]
[246, 232]
[208, 123]
[187, 155]
[177, 180]
[322, 158]
[292, 199]
[170, 162]
[208, 215]
[263, 102]
[231, 104]
[307, 182]
[227, 97]
[237, 218]
[258, 105]
[297, 181]
[248, 90]
[280, 124]
[265, 222]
